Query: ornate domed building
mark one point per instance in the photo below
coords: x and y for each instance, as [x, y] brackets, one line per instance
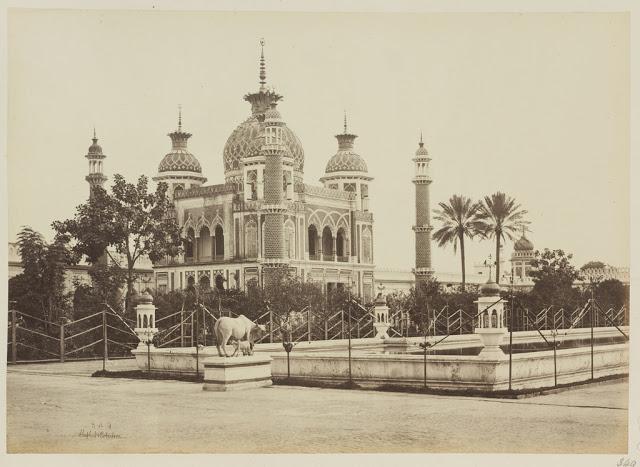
[523, 254]
[264, 216]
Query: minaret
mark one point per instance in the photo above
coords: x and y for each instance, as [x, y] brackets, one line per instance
[422, 229]
[273, 208]
[95, 177]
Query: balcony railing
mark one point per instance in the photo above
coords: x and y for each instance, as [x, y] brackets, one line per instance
[315, 257]
[343, 259]
[328, 257]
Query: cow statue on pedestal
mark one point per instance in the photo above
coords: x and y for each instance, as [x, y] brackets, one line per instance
[240, 329]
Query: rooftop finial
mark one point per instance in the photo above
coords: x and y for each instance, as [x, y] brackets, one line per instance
[94, 134]
[179, 117]
[345, 122]
[421, 143]
[263, 70]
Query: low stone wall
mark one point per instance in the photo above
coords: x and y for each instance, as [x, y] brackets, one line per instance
[379, 362]
[530, 370]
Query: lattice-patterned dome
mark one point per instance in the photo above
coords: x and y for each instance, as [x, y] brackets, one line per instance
[346, 161]
[246, 141]
[179, 160]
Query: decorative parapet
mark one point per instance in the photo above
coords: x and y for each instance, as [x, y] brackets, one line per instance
[224, 188]
[327, 192]
[608, 272]
[422, 228]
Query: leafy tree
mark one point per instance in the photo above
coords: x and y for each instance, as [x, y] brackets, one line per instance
[501, 218]
[460, 219]
[553, 276]
[130, 219]
[593, 265]
[611, 293]
[40, 289]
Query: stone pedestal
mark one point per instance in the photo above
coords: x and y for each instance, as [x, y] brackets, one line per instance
[492, 338]
[236, 373]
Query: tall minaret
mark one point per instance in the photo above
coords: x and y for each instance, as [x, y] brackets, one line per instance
[95, 156]
[422, 180]
[274, 152]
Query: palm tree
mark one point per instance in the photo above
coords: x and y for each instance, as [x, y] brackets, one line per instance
[502, 218]
[459, 219]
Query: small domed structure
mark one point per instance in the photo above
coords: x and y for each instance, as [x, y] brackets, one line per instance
[521, 258]
[179, 168]
[347, 170]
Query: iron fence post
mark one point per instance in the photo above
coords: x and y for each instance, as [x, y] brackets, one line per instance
[555, 367]
[591, 322]
[270, 327]
[341, 324]
[182, 327]
[14, 333]
[309, 325]
[61, 342]
[105, 340]
[326, 330]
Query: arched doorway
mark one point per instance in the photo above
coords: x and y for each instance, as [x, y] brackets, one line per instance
[340, 244]
[205, 282]
[204, 244]
[188, 244]
[327, 244]
[219, 247]
[313, 240]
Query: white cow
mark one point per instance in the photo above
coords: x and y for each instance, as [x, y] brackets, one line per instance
[239, 329]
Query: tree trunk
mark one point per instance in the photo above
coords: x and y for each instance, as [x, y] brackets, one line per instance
[497, 259]
[462, 259]
[129, 289]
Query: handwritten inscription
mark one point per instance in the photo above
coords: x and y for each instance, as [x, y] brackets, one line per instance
[626, 462]
[98, 431]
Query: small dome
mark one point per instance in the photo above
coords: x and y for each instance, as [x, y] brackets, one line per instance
[490, 289]
[523, 244]
[95, 149]
[179, 161]
[346, 161]
[422, 151]
[272, 115]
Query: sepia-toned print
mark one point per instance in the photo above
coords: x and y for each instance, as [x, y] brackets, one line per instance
[287, 232]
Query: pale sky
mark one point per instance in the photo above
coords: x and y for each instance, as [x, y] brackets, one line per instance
[535, 105]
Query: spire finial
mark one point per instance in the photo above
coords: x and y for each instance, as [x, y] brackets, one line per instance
[421, 142]
[345, 122]
[263, 70]
[94, 134]
[179, 117]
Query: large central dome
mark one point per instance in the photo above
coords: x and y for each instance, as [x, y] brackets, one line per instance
[247, 139]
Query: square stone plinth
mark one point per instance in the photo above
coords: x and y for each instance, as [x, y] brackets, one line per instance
[235, 373]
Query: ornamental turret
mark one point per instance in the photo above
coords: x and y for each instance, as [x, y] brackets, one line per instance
[423, 227]
[275, 153]
[179, 169]
[96, 177]
[347, 170]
